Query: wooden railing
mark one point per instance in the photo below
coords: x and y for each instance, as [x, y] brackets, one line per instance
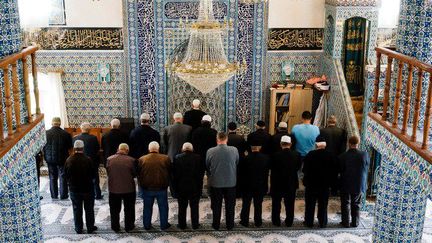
[408, 69]
[9, 65]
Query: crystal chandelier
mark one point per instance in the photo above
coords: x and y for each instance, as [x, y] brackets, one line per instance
[204, 64]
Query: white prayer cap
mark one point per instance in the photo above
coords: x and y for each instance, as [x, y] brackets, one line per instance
[78, 144]
[196, 103]
[145, 116]
[285, 139]
[85, 126]
[206, 118]
[187, 147]
[283, 125]
[123, 147]
[153, 146]
[321, 144]
[177, 115]
[115, 122]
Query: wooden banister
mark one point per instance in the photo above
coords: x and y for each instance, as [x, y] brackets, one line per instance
[8, 60]
[8, 100]
[406, 59]
[16, 96]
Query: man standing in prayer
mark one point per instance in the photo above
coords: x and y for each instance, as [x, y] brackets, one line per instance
[187, 180]
[282, 130]
[193, 117]
[175, 135]
[320, 171]
[141, 136]
[260, 136]
[222, 162]
[254, 173]
[91, 149]
[284, 181]
[112, 139]
[121, 170]
[153, 176]
[79, 172]
[305, 134]
[354, 165]
[56, 151]
[240, 143]
[336, 138]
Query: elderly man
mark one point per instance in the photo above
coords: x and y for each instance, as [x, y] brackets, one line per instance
[153, 177]
[305, 134]
[282, 130]
[121, 170]
[56, 151]
[176, 135]
[112, 139]
[222, 162]
[141, 136]
[79, 172]
[261, 136]
[254, 170]
[187, 180]
[336, 138]
[284, 181]
[320, 170]
[91, 149]
[193, 117]
[354, 166]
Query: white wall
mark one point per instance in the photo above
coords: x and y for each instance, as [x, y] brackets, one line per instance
[296, 13]
[97, 13]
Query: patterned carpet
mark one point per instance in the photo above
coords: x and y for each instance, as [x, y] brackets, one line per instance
[57, 221]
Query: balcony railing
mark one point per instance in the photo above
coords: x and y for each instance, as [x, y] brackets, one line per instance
[9, 65]
[403, 121]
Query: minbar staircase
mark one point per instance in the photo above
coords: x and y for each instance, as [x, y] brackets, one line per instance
[395, 117]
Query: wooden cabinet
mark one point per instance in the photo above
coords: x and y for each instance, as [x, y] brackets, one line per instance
[288, 105]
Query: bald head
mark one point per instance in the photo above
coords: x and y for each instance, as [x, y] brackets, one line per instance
[123, 148]
[153, 147]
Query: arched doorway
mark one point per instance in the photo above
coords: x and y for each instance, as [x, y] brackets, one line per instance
[354, 54]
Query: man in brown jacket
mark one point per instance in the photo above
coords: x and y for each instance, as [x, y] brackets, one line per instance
[121, 170]
[153, 178]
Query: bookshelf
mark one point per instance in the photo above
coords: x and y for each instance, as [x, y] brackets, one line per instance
[287, 105]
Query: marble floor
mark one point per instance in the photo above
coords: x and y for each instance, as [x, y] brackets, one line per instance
[57, 222]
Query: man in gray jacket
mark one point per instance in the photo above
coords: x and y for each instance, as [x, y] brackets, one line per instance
[221, 162]
[175, 135]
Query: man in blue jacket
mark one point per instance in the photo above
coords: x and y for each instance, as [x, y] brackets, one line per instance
[354, 165]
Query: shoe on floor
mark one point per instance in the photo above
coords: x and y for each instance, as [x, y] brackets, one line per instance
[92, 229]
[167, 227]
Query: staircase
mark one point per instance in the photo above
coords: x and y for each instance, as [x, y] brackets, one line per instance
[357, 103]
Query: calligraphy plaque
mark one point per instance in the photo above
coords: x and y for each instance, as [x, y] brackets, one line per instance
[282, 39]
[77, 38]
[178, 10]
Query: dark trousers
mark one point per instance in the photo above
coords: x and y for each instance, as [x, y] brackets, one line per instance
[311, 198]
[56, 172]
[354, 201]
[289, 202]
[217, 195]
[162, 201]
[244, 214]
[78, 199]
[115, 202]
[97, 190]
[194, 206]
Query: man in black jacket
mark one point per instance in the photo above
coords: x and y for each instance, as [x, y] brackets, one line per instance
[187, 180]
[320, 171]
[141, 137]
[194, 116]
[254, 173]
[284, 181]
[112, 139]
[240, 143]
[282, 130]
[204, 138]
[56, 151]
[79, 172]
[91, 149]
[262, 137]
[354, 165]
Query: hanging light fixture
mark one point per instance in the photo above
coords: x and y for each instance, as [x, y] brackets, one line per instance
[204, 65]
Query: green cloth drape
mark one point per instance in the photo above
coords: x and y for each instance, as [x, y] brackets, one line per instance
[355, 46]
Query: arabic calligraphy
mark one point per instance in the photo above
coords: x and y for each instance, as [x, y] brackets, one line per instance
[295, 39]
[77, 38]
[177, 10]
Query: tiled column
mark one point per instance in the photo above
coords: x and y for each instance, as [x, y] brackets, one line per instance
[400, 206]
[415, 39]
